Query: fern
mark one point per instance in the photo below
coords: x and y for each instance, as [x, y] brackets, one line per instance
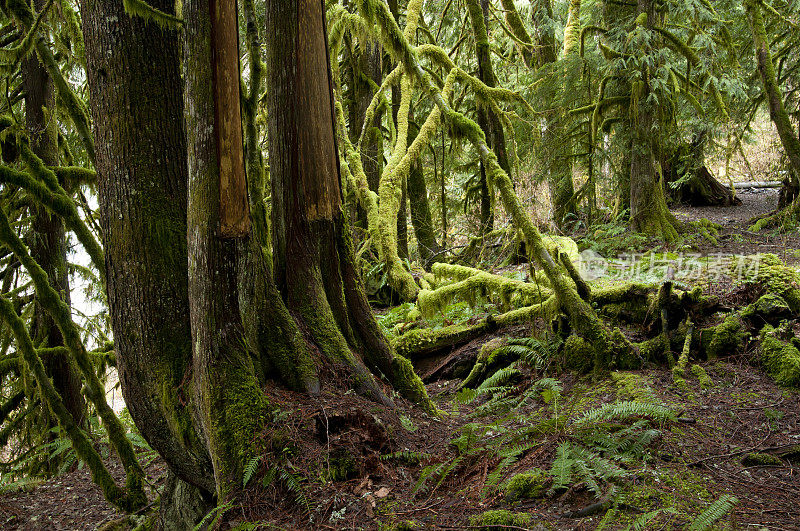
[643, 521]
[714, 512]
[250, 469]
[294, 483]
[624, 410]
[501, 377]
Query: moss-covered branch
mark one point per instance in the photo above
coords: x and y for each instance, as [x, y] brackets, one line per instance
[60, 312]
[80, 441]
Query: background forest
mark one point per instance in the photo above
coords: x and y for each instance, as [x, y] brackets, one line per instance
[388, 264]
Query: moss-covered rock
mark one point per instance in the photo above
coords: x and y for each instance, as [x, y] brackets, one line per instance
[780, 358]
[531, 484]
[578, 354]
[761, 459]
[728, 337]
[770, 307]
[492, 520]
[770, 272]
[702, 376]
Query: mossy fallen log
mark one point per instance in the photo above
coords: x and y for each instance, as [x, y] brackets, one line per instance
[427, 341]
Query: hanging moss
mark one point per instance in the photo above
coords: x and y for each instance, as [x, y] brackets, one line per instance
[80, 441]
[61, 313]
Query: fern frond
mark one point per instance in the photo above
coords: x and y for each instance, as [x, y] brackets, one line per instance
[250, 469]
[714, 512]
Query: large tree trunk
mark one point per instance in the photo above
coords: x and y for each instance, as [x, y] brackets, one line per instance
[48, 242]
[315, 271]
[137, 106]
[649, 212]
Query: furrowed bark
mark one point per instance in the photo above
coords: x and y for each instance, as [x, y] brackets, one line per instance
[141, 159]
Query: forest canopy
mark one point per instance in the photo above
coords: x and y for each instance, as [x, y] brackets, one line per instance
[389, 264]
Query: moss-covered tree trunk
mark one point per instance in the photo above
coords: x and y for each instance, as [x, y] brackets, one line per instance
[137, 106]
[517, 27]
[649, 212]
[48, 240]
[421, 218]
[777, 109]
[487, 118]
[315, 268]
[557, 168]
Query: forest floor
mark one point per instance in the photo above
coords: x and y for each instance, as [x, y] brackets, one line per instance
[357, 465]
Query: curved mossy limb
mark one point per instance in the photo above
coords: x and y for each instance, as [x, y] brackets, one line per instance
[80, 441]
[61, 313]
[474, 285]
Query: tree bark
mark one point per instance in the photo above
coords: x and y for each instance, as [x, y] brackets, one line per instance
[48, 245]
[318, 279]
[777, 109]
[649, 212]
[137, 106]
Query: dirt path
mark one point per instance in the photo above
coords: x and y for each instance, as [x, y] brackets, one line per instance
[735, 237]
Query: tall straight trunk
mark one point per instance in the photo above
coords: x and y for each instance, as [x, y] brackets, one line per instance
[487, 118]
[314, 263]
[557, 167]
[777, 109]
[228, 405]
[649, 212]
[137, 106]
[420, 210]
[314, 270]
[48, 245]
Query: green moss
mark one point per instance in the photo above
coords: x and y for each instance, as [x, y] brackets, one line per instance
[728, 337]
[761, 459]
[702, 376]
[531, 484]
[770, 272]
[780, 359]
[632, 386]
[500, 518]
[578, 354]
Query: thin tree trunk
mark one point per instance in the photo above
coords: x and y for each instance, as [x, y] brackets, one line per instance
[48, 245]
